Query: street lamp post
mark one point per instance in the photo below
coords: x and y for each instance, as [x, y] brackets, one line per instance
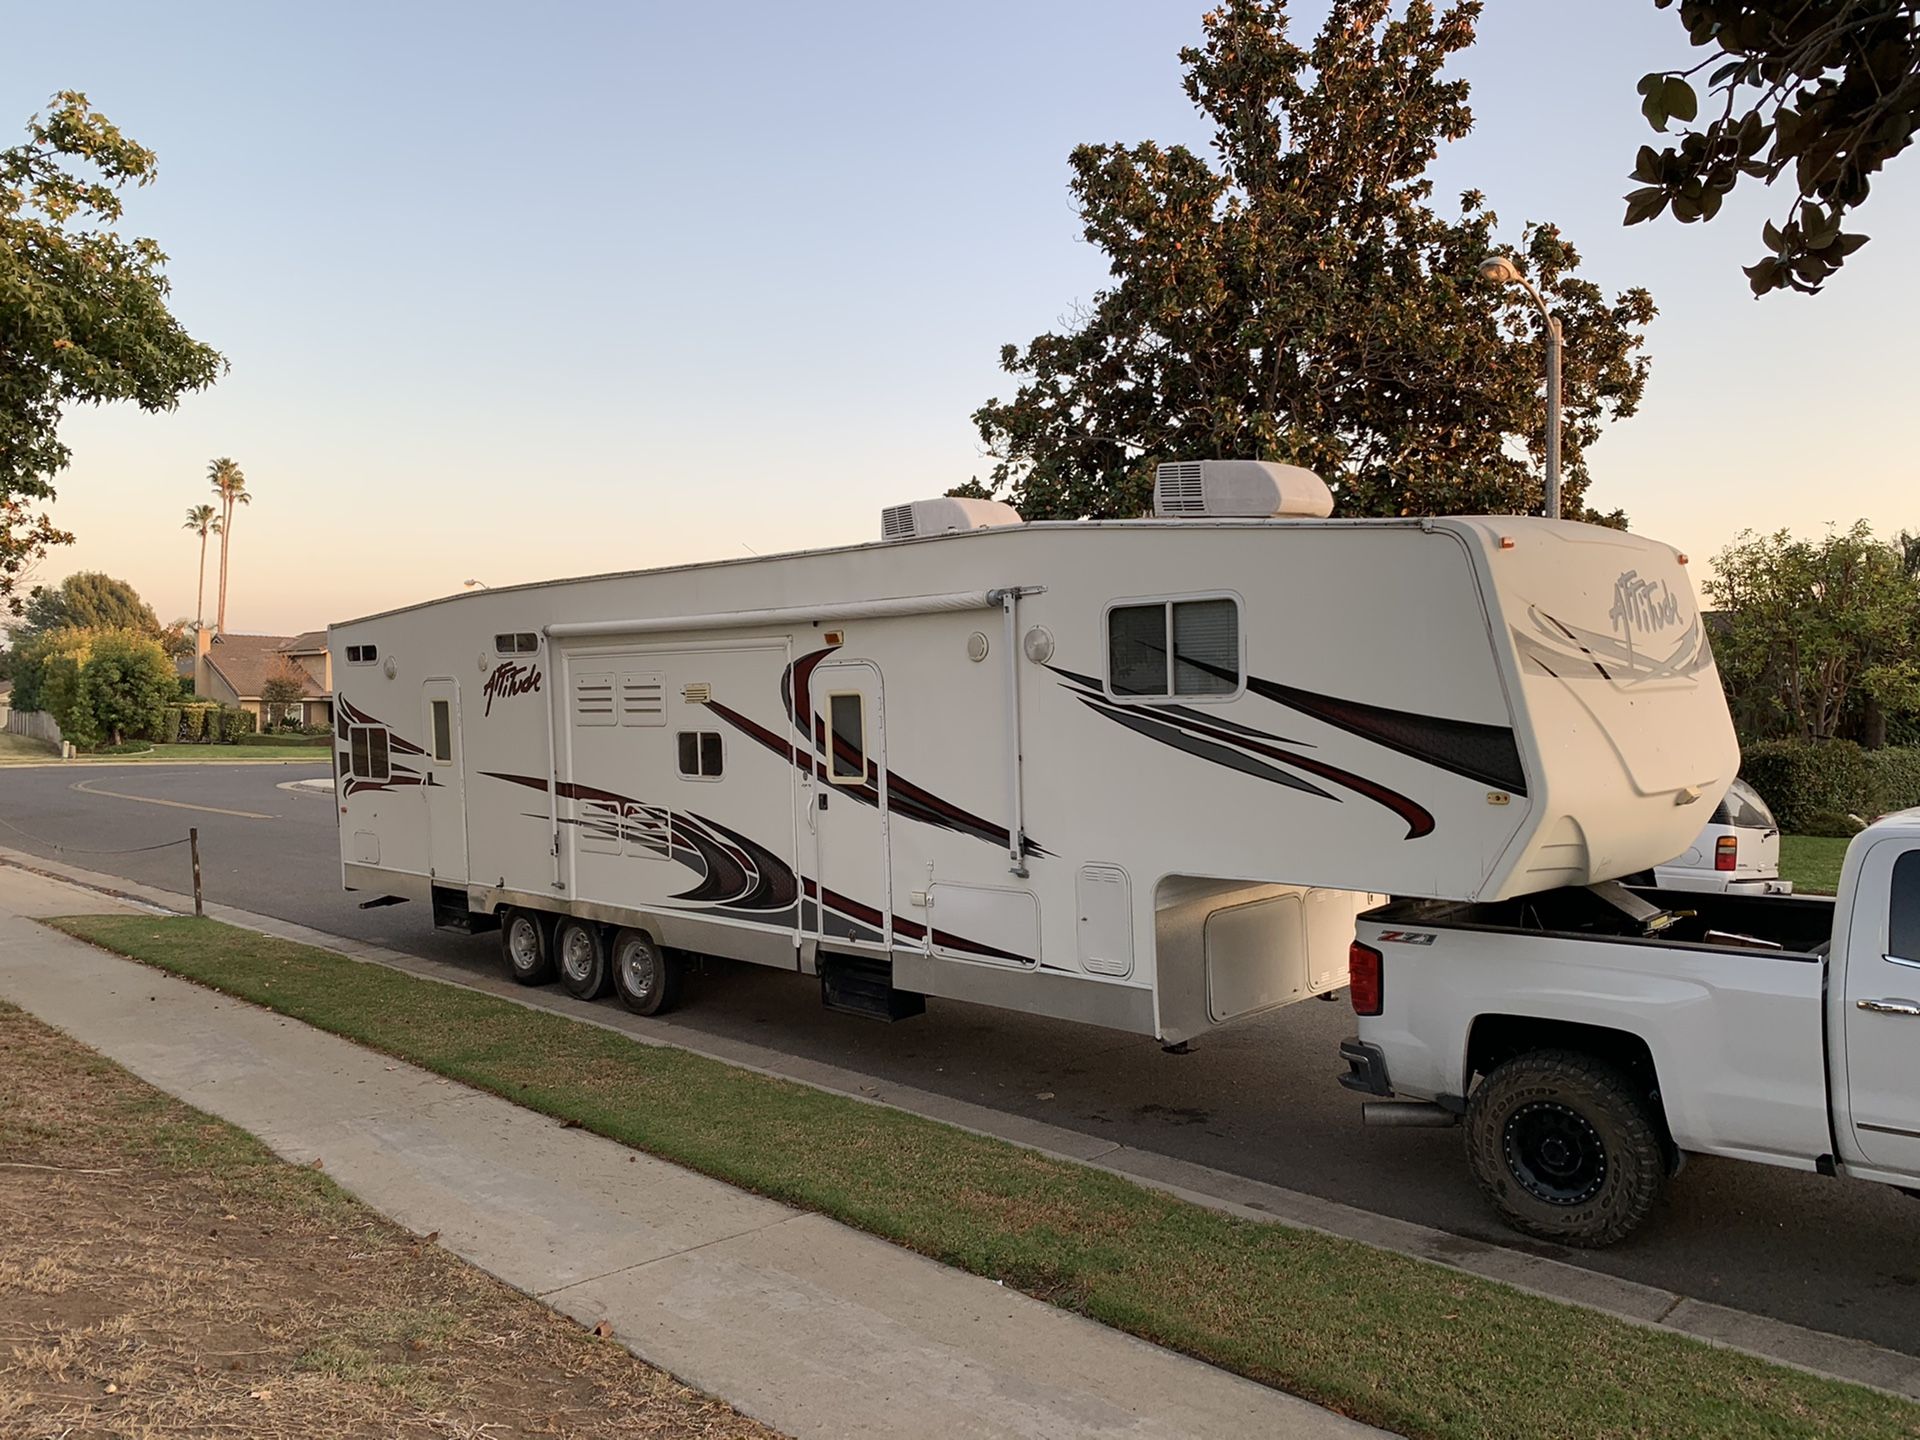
[1502, 271]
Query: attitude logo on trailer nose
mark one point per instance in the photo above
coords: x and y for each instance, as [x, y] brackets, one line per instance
[1643, 606]
[509, 679]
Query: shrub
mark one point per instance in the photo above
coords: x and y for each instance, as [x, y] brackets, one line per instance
[281, 737]
[1831, 825]
[234, 724]
[185, 687]
[1894, 779]
[1800, 781]
[169, 725]
[193, 723]
[125, 685]
[131, 747]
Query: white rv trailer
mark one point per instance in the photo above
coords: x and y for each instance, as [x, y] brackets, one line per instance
[1141, 774]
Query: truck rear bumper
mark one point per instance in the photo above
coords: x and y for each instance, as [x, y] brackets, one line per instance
[1366, 1068]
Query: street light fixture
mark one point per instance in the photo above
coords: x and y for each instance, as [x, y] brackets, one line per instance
[475, 585]
[1501, 270]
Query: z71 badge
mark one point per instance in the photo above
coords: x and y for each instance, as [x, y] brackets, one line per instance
[1407, 937]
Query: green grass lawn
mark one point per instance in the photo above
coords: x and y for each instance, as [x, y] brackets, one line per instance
[1812, 863]
[317, 754]
[1414, 1347]
[18, 748]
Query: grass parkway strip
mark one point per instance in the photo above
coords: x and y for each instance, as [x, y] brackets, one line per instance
[1411, 1346]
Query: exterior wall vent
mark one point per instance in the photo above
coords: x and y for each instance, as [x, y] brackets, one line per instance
[1238, 489]
[943, 516]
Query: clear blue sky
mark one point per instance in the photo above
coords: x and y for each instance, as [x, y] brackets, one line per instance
[518, 291]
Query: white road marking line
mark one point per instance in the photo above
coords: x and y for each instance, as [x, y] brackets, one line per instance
[87, 786]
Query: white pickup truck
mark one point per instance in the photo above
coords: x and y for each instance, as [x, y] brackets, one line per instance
[1593, 1037]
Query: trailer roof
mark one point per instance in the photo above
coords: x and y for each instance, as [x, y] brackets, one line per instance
[950, 537]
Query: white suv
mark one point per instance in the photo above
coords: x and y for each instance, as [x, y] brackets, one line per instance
[1738, 853]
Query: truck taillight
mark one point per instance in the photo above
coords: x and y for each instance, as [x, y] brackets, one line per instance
[1726, 853]
[1366, 985]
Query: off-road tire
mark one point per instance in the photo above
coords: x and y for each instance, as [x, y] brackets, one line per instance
[526, 946]
[645, 977]
[1566, 1148]
[580, 957]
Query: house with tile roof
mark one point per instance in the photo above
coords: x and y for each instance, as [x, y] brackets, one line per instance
[234, 669]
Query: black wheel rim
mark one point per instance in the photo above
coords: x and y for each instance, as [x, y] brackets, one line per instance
[1555, 1154]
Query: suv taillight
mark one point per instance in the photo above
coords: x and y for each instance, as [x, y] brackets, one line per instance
[1366, 984]
[1726, 853]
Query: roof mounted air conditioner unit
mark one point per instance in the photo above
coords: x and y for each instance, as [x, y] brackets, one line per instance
[943, 516]
[1238, 489]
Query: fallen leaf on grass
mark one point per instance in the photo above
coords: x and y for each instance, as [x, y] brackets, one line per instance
[604, 1329]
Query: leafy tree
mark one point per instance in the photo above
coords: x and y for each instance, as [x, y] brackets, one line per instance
[203, 520]
[1829, 89]
[1814, 632]
[90, 600]
[125, 686]
[83, 312]
[283, 690]
[47, 675]
[231, 486]
[1297, 298]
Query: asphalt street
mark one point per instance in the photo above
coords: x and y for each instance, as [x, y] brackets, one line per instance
[1259, 1100]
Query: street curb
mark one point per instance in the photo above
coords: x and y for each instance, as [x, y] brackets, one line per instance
[1799, 1347]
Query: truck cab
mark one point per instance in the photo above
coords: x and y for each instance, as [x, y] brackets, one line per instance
[1591, 1037]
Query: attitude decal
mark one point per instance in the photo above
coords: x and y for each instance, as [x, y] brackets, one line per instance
[369, 751]
[739, 877]
[1550, 646]
[510, 679]
[1258, 753]
[811, 751]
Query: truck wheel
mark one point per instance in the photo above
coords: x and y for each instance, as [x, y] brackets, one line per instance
[644, 977]
[580, 952]
[523, 946]
[1566, 1148]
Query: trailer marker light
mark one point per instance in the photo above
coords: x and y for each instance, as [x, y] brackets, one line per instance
[1726, 853]
[1366, 981]
[1506, 542]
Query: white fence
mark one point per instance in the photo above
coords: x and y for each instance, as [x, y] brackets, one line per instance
[35, 725]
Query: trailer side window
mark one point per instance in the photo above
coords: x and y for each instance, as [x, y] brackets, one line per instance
[443, 731]
[1903, 925]
[847, 719]
[368, 747]
[362, 654]
[701, 756]
[1174, 648]
[519, 642]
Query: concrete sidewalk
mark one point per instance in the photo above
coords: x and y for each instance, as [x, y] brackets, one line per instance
[808, 1326]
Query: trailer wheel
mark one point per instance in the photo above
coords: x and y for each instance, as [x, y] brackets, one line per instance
[580, 953]
[524, 948]
[645, 977]
[1566, 1148]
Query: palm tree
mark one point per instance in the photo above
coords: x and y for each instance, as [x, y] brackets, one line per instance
[231, 486]
[203, 520]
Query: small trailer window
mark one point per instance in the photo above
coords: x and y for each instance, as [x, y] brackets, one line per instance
[1903, 925]
[847, 718]
[1174, 648]
[701, 757]
[362, 654]
[368, 744]
[443, 731]
[521, 642]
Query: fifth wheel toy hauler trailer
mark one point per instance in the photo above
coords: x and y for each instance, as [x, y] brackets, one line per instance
[1140, 774]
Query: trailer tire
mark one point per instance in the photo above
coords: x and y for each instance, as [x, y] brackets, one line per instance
[1566, 1148]
[645, 977]
[526, 946]
[580, 955]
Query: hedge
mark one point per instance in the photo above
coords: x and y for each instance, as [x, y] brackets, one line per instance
[1802, 783]
[280, 737]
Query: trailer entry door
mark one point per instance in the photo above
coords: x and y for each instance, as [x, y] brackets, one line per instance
[850, 822]
[445, 790]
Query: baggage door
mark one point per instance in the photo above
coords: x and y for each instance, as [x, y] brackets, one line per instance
[445, 790]
[849, 810]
